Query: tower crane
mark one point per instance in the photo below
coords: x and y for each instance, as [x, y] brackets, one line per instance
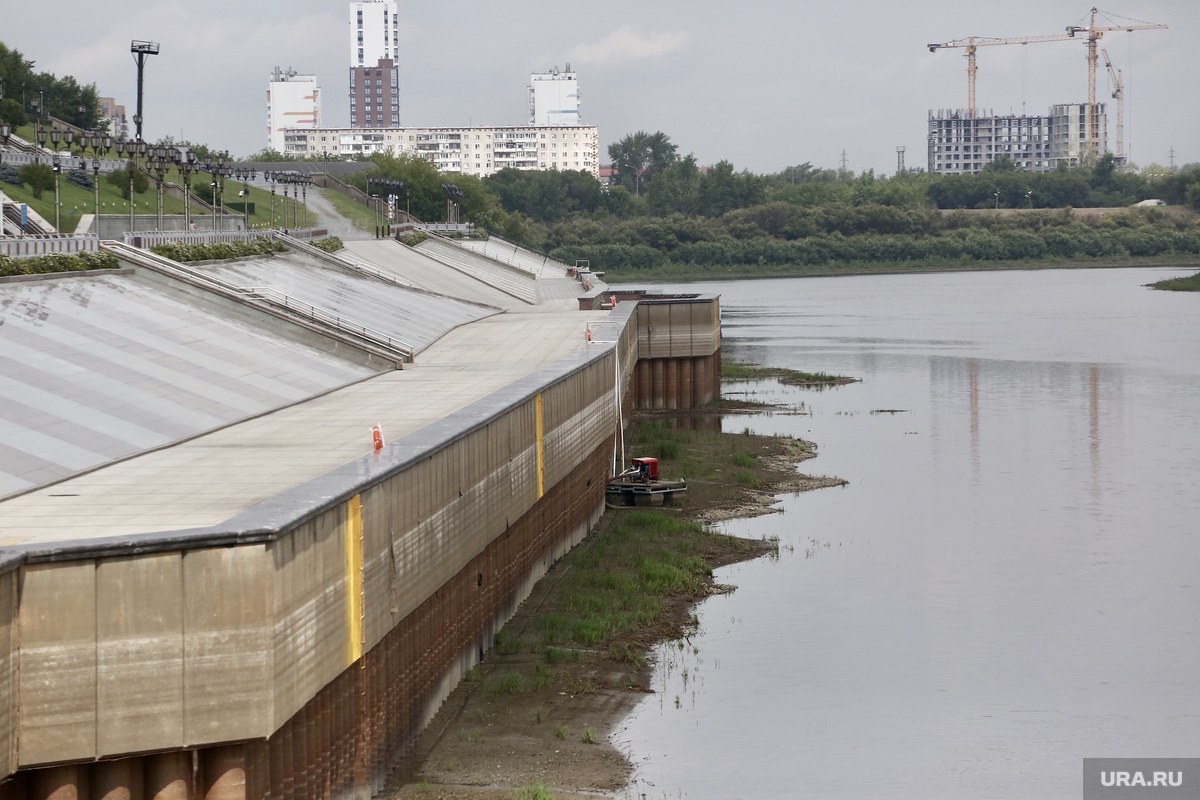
[972, 42]
[1094, 34]
[1118, 94]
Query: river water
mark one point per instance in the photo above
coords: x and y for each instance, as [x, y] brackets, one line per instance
[1008, 584]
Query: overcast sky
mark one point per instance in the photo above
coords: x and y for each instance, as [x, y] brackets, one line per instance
[762, 84]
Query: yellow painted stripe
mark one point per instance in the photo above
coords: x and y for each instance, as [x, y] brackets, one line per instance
[354, 563]
[541, 454]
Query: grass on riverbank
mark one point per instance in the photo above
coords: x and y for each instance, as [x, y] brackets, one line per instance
[1190, 283]
[573, 661]
[737, 371]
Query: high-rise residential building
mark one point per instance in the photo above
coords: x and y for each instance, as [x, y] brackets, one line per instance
[375, 95]
[554, 97]
[374, 77]
[293, 101]
[962, 144]
[374, 32]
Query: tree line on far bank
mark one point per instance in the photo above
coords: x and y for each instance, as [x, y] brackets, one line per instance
[665, 211]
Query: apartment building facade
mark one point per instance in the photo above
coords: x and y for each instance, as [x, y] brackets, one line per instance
[478, 151]
[293, 101]
[554, 97]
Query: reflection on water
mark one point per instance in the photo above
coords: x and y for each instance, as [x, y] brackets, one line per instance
[1006, 586]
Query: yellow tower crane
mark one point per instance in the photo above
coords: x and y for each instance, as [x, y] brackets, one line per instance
[972, 42]
[1118, 94]
[1094, 34]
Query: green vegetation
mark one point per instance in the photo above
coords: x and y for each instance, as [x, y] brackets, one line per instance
[413, 239]
[1190, 283]
[330, 245]
[57, 262]
[535, 792]
[219, 250]
[737, 371]
[28, 93]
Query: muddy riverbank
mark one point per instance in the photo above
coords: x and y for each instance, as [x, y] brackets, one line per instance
[534, 719]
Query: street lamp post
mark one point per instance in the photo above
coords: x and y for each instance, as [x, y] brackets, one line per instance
[245, 175]
[98, 142]
[270, 176]
[158, 163]
[304, 188]
[219, 171]
[185, 162]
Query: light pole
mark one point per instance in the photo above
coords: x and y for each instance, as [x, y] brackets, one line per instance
[245, 175]
[98, 142]
[141, 51]
[270, 176]
[219, 171]
[158, 163]
[185, 162]
[57, 136]
[5, 132]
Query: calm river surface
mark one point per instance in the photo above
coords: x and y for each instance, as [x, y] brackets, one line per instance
[1008, 584]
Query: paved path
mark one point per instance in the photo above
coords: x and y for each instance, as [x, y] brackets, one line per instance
[329, 218]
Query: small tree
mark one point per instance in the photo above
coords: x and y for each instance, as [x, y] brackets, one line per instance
[39, 178]
[120, 179]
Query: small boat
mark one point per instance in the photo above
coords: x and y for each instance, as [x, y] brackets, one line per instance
[640, 485]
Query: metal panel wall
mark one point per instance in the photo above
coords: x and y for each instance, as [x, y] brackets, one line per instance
[57, 663]
[423, 525]
[139, 652]
[8, 672]
[227, 644]
[308, 606]
[677, 330]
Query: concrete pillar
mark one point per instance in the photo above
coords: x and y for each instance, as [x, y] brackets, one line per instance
[169, 776]
[658, 383]
[224, 773]
[687, 394]
[258, 770]
[69, 782]
[671, 383]
[117, 780]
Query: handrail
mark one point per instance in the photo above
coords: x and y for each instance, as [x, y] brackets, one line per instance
[273, 297]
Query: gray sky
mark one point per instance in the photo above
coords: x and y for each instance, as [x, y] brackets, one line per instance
[761, 84]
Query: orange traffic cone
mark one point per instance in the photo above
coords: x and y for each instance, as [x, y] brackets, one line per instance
[377, 437]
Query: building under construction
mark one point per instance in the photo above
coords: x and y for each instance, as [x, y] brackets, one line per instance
[963, 143]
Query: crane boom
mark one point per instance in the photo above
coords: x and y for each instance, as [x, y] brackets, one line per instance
[972, 42]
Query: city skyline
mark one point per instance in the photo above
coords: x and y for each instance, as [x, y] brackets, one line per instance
[764, 88]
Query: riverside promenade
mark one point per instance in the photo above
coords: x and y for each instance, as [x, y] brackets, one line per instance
[258, 517]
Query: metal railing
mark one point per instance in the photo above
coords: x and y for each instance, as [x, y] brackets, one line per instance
[37, 245]
[397, 348]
